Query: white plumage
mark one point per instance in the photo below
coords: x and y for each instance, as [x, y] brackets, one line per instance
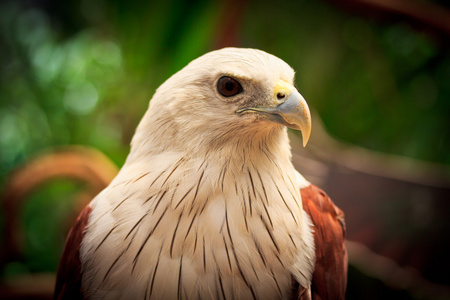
[207, 205]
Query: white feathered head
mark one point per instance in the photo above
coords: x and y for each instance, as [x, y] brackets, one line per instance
[220, 96]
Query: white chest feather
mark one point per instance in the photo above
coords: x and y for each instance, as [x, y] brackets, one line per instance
[194, 231]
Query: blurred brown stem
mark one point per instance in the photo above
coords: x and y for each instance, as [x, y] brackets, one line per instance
[78, 163]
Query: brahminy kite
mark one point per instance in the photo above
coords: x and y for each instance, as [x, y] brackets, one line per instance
[208, 204]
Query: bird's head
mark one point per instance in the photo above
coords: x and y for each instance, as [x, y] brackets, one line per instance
[222, 95]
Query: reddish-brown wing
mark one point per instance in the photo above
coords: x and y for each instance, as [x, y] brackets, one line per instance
[68, 281]
[330, 273]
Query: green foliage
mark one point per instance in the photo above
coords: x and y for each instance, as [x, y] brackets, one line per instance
[46, 218]
[93, 86]
[51, 204]
[82, 72]
[50, 88]
[381, 86]
[65, 83]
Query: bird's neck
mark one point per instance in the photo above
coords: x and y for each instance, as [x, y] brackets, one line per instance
[258, 148]
[232, 161]
[239, 197]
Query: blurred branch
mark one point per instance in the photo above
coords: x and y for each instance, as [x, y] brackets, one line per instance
[356, 158]
[372, 187]
[35, 287]
[392, 274]
[79, 163]
[422, 13]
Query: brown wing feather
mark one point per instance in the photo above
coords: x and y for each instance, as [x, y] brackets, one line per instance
[68, 280]
[330, 273]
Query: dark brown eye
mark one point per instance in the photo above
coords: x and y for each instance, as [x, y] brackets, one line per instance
[228, 86]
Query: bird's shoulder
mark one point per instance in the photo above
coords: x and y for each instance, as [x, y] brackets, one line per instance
[330, 274]
[68, 281]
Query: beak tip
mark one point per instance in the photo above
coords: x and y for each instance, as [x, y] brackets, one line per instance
[305, 139]
[306, 130]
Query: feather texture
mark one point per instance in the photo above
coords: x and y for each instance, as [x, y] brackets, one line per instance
[330, 272]
[68, 283]
[208, 203]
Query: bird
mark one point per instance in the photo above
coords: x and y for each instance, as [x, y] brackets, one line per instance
[208, 204]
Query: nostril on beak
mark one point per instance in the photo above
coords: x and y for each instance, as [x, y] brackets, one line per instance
[281, 96]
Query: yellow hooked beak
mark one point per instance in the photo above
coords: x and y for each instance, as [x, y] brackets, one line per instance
[288, 108]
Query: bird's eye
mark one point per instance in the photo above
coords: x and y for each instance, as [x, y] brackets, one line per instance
[228, 86]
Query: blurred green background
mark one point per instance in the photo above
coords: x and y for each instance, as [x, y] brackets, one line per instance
[82, 72]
